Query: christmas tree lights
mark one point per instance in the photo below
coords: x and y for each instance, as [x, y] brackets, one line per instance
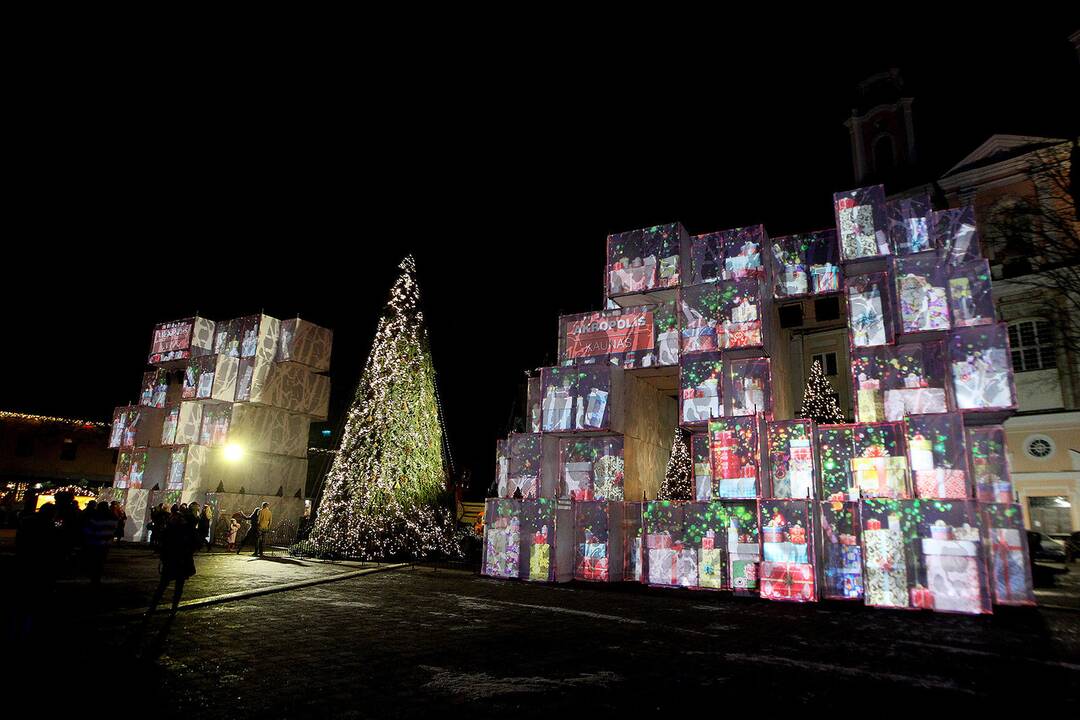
[819, 403]
[382, 494]
[678, 481]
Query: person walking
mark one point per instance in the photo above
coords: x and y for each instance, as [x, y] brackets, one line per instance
[264, 520]
[179, 541]
[252, 531]
[204, 525]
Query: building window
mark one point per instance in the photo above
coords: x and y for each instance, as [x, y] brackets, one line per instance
[1032, 343]
[1039, 447]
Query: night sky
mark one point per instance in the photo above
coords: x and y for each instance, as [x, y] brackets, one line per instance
[295, 186]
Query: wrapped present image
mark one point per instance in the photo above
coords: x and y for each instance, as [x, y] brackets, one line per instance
[581, 398]
[701, 379]
[879, 462]
[791, 458]
[790, 581]
[646, 259]
[889, 571]
[591, 468]
[806, 264]
[748, 387]
[735, 456]
[951, 555]
[502, 539]
[921, 291]
[861, 223]
[954, 234]
[909, 224]
[981, 366]
[1010, 566]
[598, 540]
[711, 568]
[870, 309]
[970, 299]
[989, 464]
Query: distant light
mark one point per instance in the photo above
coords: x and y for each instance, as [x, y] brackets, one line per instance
[233, 452]
[327, 433]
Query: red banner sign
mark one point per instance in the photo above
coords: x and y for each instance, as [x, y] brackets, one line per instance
[599, 334]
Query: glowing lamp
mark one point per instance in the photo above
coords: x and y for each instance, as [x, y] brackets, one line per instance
[233, 452]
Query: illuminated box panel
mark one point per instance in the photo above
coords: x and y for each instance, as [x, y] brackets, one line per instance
[137, 507]
[211, 377]
[520, 539]
[922, 287]
[135, 426]
[721, 316]
[701, 395]
[909, 224]
[214, 429]
[870, 309]
[141, 467]
[306, 343]
[938, 457]
[734, 254]
[861, 224]
[590, 468]
[862, 460]
[534, 400]
[188, 424]
[889, 533]
[253, 336]
[269, 430]
[685, 545]
[981, 366]
[181, 340]
[736, 456]
[524, 466]
[955, 235]
[748, 387]
[970, 298]
[598, 552]
[990, 464]
[893, 382]
[702, 458]
[789, 564]
[155, 389]
[253, 473]
[835, 448]
[790, 447]
[805, 265]
[1005, 538]
[842, 552]
[186, 464]
[587, 398]
[644, 260]
[951, 556]
[290, 387]
[643, 336]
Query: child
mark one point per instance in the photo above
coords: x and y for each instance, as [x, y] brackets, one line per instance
[234, 527]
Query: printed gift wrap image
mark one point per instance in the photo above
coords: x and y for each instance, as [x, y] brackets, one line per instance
[970, 301]
[591, 468]
[909, 224]
[861, 223]
[215, 425]
[836, 449]
[534, 402]
[644, 336]
[742, 544]
[733, 443]
[700, 308]
[791, 458]
[741, 314]
[806, 264]
[842, 547]
[922, 292]
[598, 539]
[524, 460]
[721, 315]
[670, 556]
[502, 466]
[889, 572]
[982, 373]
[870, 313]
[181, 340]
[155, 389]
[787, 536]
[894, 382]
[952, 557]
[954, 234]
[576, 398]
[748, 388]
[647, 259]
[703, 479]
[502, 538]
[1010, 568]
[633, 542]
[733, 254]
[701, 384]
[538, 540]
[879, 462]
[990, 464]
[938, 456]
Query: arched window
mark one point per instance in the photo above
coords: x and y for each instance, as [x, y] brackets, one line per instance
[884, 154]
[1032, 344]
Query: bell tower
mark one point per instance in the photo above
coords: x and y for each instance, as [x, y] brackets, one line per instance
[882, 132]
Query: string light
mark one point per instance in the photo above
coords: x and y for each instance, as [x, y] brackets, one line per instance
[819, 403]
[678, 481]
[10, 415]
[381, 497]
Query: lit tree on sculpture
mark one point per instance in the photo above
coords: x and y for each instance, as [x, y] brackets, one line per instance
[819, 402]
[381, 496]
[678, 481]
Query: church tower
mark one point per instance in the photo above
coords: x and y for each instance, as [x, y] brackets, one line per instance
[882, 132]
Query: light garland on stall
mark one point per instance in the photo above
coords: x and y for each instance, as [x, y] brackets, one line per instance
[381, 498]
[10, 415]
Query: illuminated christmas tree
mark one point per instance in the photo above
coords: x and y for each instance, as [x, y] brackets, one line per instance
[381, 498]
[678, 481]
[819, 400]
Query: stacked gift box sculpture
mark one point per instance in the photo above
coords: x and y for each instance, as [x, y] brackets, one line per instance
[908, 507]
[223, 418]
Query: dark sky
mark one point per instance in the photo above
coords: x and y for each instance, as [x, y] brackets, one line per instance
[296, 185]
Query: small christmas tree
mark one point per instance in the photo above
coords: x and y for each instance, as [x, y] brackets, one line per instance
[819, 403]
[678, 481]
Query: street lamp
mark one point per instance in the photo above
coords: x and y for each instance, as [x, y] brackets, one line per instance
[233, 452]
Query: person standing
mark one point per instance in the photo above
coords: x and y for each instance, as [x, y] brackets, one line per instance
[252, 531]
[264, 520]
[99, 527]
[234, 527]
[204, 526]
[179, 541]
